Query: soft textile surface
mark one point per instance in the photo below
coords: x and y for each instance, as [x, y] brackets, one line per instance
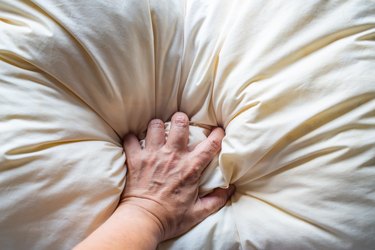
[292, 83]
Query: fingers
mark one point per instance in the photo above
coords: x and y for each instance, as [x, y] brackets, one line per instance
[131, 145]
[205, 151]
[213, 202]
[155, 137]
[179, 134]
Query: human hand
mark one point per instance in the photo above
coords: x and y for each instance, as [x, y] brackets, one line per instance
[163, 178]
[161, 198]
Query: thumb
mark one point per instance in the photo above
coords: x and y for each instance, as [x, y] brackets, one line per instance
[212, 202]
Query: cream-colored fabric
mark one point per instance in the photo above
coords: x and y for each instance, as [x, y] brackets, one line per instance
[291, 82]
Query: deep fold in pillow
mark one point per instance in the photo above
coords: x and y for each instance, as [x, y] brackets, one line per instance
[292, 83]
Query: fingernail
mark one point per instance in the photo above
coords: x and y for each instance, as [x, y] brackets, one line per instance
[156, 123]
[181, 121]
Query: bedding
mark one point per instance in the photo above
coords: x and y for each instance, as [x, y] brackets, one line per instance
[291, 82]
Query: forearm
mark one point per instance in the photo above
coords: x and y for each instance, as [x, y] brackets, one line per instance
[161, 200]
[127, 228]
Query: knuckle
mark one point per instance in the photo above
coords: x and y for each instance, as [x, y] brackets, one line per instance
[222, 201]
[214, 145]
[142, 158]
[156, 123]
[207, 210]
[215, 206]
[202, 158]
[193, 174]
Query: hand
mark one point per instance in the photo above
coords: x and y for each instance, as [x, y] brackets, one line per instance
[161, 199]
[163, 178]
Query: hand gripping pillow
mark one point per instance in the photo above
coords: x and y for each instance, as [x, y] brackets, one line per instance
[292, 83]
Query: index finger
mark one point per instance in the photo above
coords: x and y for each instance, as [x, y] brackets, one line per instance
[131, 146]
[205, 151]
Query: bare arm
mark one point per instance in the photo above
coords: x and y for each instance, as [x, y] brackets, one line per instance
[161, 197]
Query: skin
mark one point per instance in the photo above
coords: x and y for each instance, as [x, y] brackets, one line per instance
[161, 198]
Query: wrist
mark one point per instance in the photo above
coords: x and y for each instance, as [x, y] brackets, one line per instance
[144, 221]
[129, 227]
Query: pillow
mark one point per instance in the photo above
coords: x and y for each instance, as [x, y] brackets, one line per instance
[291, 83]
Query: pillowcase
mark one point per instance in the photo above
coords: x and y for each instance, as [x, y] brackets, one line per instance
[291, 83]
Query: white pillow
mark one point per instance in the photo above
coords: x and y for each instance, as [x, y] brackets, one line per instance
[291, 83]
